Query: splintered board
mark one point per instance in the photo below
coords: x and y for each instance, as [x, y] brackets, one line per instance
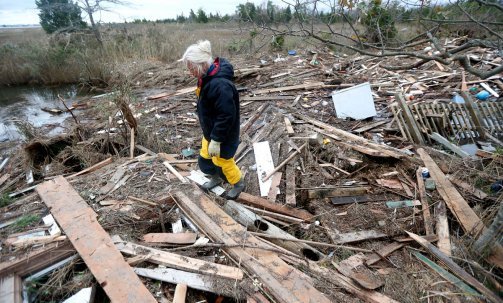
[92, 242]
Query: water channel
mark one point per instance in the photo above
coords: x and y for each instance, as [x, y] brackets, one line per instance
[25, 103]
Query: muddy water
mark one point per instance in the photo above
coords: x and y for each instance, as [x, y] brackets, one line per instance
[26, 103]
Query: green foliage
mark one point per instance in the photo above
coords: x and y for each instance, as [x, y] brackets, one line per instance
[277, 42]
[5, 200]
[379, 23]
[59, 14]
[25, 221]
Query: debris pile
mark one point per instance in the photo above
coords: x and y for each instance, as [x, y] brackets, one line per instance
[357, 191]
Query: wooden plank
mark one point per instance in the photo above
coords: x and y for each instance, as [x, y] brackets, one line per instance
[11, 289]
[289, 88]
[116, 177]
[289, 128]
[180, 293]
[37, 259]
[428, 224]
[281, 209]
[290, 197]
[173, 238]
[474, 113]
[174, 172]
[456, 269]
[92, 168]
[274, 191]
[354, 268]
[265, 98]
[454, 148]
[265, 165]
[444, 240]
[4, 178]
[92, 242]
[468, 219]
[172, 260]
[339, 280]
[489, 89]
[288, 159]
[356, 142]
[277, 216]
[358, 236]
[320, 193]
[410, 120]
[283, 282]
[468, 188]
[384, 252]
[170, 158]
[445, 274]
[369, 126]
[195, 281]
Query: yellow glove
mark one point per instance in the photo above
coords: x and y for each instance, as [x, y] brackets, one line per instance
[214, 149]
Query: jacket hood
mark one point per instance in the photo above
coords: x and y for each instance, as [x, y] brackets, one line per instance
[222, 69]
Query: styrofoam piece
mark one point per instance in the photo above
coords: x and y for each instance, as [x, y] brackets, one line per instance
[82, 296]
[355, 102]
[54, 229]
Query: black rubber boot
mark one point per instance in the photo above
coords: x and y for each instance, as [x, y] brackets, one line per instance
[233, 194]
[214, 181]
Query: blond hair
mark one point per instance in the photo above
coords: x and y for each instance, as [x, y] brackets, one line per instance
[198, 54]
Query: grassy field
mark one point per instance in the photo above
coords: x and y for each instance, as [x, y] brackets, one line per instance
[29, 56]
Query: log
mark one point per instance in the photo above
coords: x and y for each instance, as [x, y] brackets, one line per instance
[92, 242]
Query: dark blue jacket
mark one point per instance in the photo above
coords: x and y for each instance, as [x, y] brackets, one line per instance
[218, 104]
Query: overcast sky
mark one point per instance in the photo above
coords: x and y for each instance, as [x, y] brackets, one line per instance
[25, 11]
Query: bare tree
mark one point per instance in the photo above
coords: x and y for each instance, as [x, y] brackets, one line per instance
[91, 7]
[375, 35]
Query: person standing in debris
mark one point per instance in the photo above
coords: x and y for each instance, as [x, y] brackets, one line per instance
[218, 112]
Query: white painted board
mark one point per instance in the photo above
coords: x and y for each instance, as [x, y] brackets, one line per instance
[355, 102]
[265, 165]
[83, 296]
[199, 178]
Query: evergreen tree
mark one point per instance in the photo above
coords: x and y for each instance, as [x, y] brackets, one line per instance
[59, 14]
[192, 16]
[201, 16]
[288, 14]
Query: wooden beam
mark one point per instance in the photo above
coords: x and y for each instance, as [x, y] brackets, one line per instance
[180, 293]
[358, 236]
[454, 148]
[92, 242]
[289, 88]
[92, 168]
[445, 274]
[456, 269]
[383, 252]
[11, 289]
[289, 128]
[474, 113]
[444, 240]
[354, 268]
[193, 280]
[292, 155]
[409, 120]
[178, 238]
[428, 225]
[339, 280]
[290, 198]
[175, 172]
[281, 209]
[320, 193]
[273, 192]
[172, 260]
[283, 282]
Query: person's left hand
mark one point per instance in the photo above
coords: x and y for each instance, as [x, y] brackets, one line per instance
[214, 149]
